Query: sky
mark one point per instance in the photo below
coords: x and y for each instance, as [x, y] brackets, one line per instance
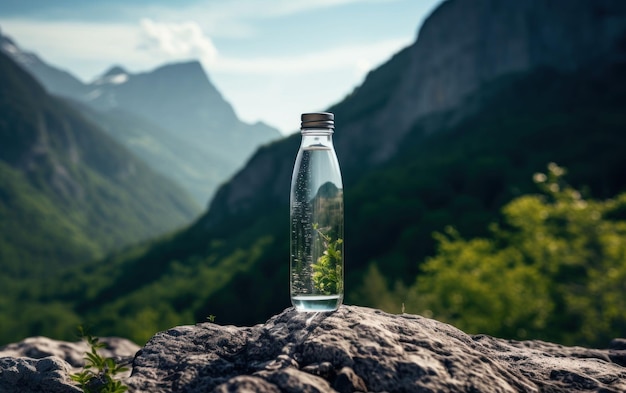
[272, 60]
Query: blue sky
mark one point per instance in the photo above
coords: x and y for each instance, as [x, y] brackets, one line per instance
[272, 60]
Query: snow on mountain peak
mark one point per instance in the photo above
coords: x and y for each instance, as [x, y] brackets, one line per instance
[118, 79]
[115, 76]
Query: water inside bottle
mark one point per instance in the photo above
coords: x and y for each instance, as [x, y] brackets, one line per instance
[317, 303]
[317, 231]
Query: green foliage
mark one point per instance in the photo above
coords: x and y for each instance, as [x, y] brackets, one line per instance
[193, 168]
[33, 229]
[98, 375]
[68, 192]
[184, 294]
[26, 311]
[374, 290]
[463, 174]
[327, 271]
[555, 269]
[234, 265]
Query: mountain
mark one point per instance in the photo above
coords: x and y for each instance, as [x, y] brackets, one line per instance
[484, 39]
[461, 46]
[163, 94]
[180, 99]
[163, 151]
[70, 193]
[236, 268]
[454, 164]
[154, 114]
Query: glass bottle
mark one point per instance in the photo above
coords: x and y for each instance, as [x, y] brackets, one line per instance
[316, 267]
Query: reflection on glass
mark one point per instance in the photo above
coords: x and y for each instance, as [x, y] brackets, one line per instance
[316, 227]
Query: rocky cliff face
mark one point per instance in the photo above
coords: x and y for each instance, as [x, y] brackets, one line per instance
[461, 46]
[353, 349]
[464, 44]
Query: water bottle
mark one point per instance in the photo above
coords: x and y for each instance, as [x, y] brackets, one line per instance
[316, 264]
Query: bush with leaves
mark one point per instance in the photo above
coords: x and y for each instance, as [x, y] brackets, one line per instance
[327, 271]
[98, 375]
[555, 269]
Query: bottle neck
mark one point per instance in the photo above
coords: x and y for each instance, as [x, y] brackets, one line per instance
[317, 137]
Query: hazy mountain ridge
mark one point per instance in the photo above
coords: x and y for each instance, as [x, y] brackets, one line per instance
[161, 94]
[158, 147]
[79, 186]
[178, 98]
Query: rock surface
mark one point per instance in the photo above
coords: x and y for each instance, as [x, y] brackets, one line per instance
[40, 364]
[354, 349]
[361, 349]
[49, 375]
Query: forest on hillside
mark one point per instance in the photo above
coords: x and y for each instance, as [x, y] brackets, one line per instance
[453, 227]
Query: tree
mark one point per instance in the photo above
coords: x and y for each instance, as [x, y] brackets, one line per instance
[554, 269]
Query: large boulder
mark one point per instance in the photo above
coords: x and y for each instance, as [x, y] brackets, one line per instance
[352, 349]
[362, 349]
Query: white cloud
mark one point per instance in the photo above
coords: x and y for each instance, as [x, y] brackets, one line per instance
[176, 40]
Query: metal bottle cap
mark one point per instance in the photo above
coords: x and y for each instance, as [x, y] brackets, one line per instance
[318, 120]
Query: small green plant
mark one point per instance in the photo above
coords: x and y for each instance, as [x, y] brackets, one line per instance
[98, 375]
[211, 318]
[327, 271]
